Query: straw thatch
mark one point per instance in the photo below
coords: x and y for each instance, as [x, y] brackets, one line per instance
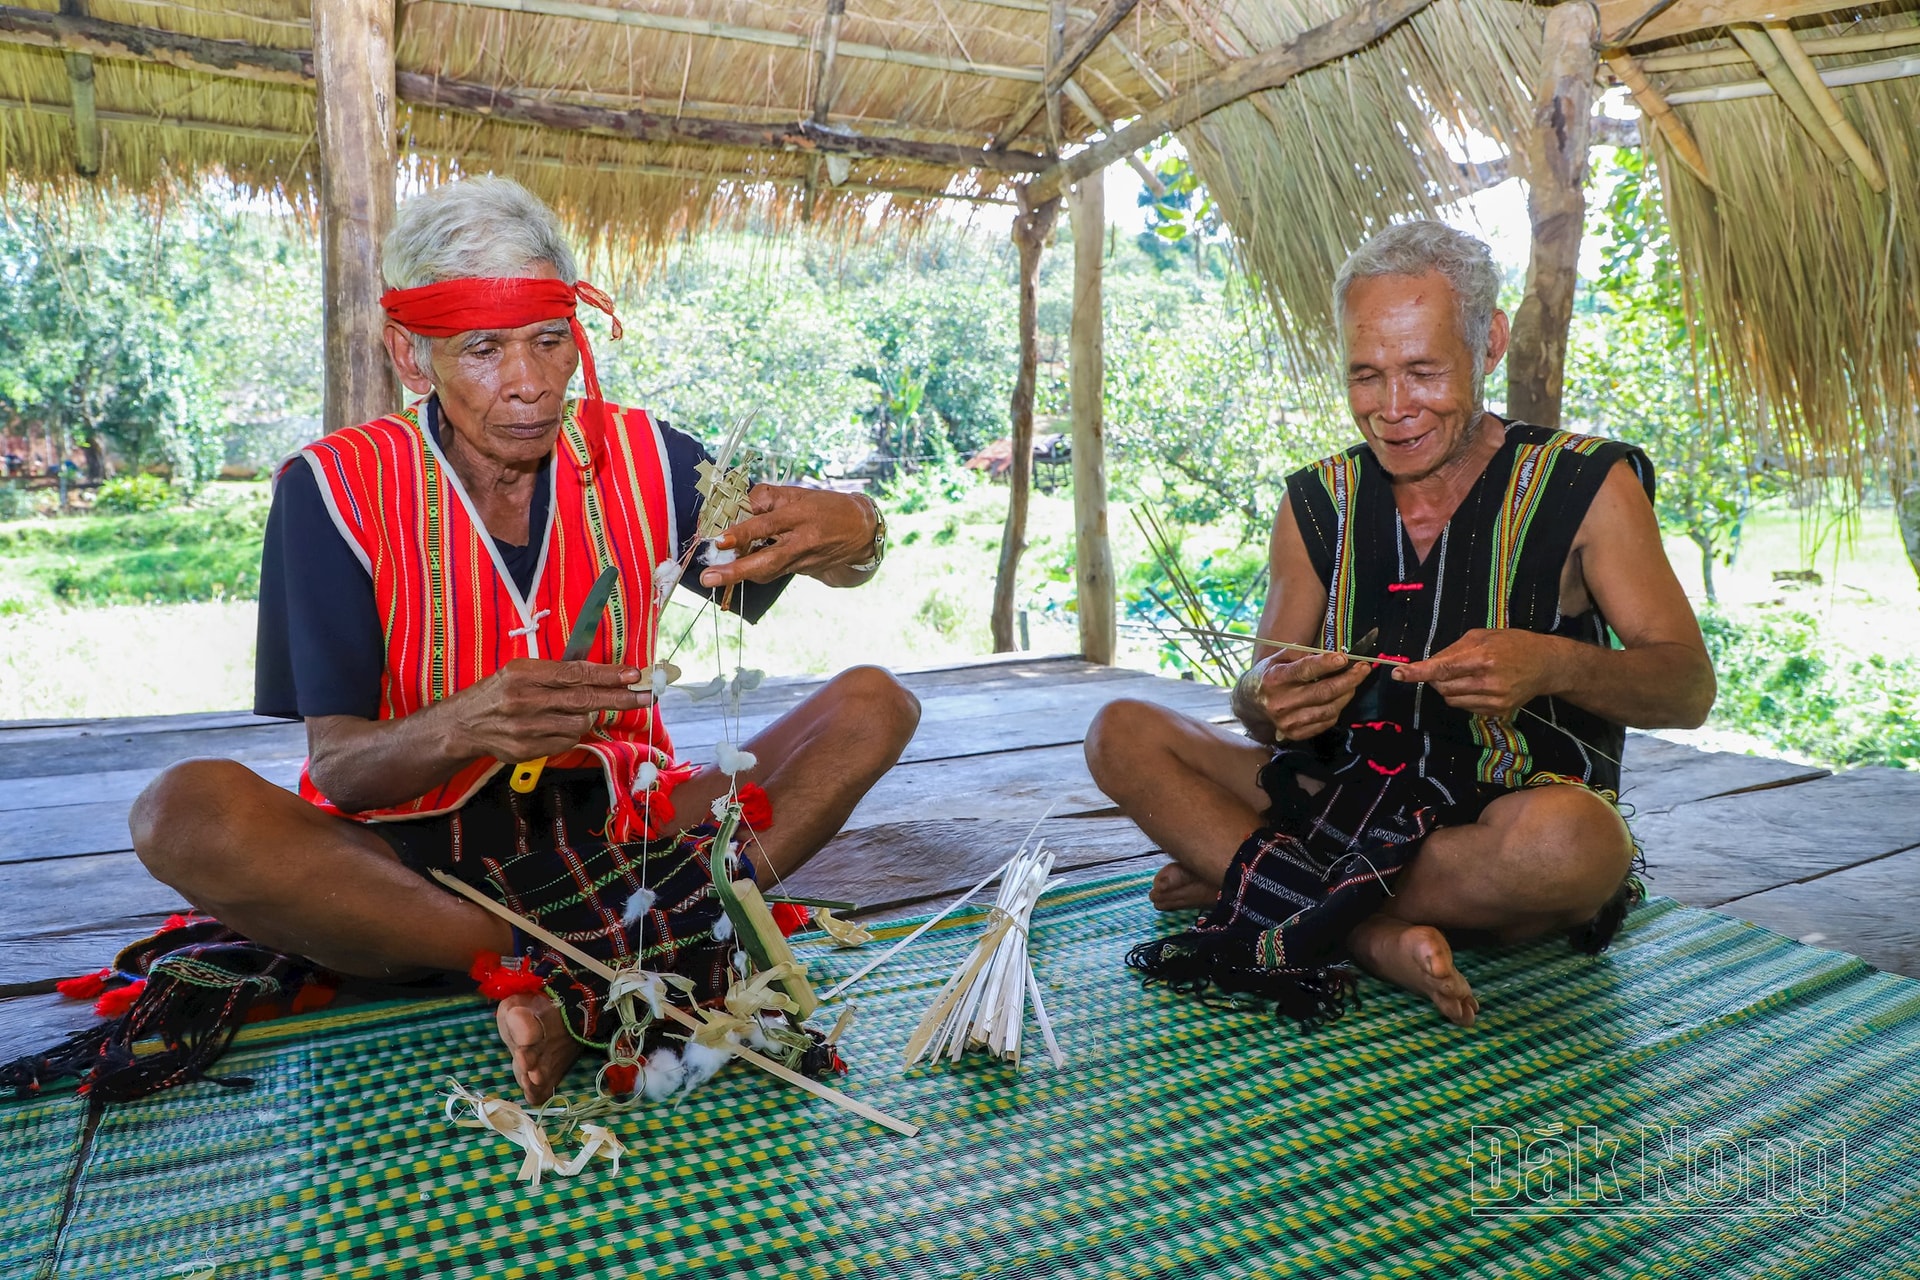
[160, 122]
[1305, 173]
[1805, 280]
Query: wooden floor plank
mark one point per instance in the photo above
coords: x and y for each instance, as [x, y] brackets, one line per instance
[1868, 910]
[1660, 774]
[1713, 851]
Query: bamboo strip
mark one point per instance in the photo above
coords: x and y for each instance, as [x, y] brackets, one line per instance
[1837, 77]
[1773, 66]
[1671, 126]
[1827, 106]
[1818, 47]
[766, 1064]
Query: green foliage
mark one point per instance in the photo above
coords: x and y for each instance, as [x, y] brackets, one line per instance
[15, 502]
[1634, 374]
[127, 495]
[943, 611]
[1184, 224]
[1783, 680]
[912, 492]
[183, 554]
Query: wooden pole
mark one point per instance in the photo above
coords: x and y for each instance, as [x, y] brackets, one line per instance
[1093, 557]
[1063, 68]
[1556, 172]
[86, 116]
[1031, 227]
[353, 69]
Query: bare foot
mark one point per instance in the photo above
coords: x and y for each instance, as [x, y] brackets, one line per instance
[1416, 957]
[532, 1028]
[1177, 889]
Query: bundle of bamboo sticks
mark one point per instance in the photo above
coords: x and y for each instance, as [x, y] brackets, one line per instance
[984, 1004]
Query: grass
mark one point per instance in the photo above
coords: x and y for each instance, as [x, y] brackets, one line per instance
[97, 615]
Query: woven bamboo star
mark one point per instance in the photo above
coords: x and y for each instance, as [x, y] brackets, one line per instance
[724, 495]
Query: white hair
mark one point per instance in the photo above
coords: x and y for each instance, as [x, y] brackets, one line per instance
[484, 226]
[1415, 248]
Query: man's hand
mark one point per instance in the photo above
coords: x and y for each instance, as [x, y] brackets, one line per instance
[1490, 673]
[532, 708]
[810, 531]
[1305, 696]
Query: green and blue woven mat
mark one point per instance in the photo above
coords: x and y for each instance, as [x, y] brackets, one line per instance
[1705, 1100]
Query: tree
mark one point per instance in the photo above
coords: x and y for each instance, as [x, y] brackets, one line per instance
[1635, 373]
[104, 337]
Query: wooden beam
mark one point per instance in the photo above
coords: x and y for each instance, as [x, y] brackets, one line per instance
[1092, 555]
[1656, 109]
[1683, 16]
[829, 50]
[353, 65]
[1556, 172]
[287, 137]
[1826, 106]
[1092, 112]
[39, 29]
[1057, 76]
[1328, 42]
[1834, 77]
[1031, 227]
[747, 35]
[1766, 56]
[86, 116]
[1056, 50]
[1817, 47]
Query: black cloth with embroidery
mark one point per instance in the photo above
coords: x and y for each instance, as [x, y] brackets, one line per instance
[1351, 808]
[541, 855]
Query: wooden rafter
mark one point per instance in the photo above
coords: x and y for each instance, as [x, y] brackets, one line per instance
[86, 117]
[1330, 41]
[1834, 77]
[1656, 109]
[747, 35]
[1091, 110]
[829, 53]
[1056, 54]
[295, 66]
[1817, 47]
[1617, 17]
[1766, 56]
[1826, 106]
[1077, 52]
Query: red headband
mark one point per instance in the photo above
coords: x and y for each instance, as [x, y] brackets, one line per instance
[500, 302]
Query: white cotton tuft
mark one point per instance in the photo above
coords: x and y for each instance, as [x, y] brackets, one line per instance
[740, 963]
[713, 557]
[711, 688]
[645, 776]
[661, 679]
[637, 906]
[720, 806]
[702, 1064]
[732, 760]
[665, 575]
[723, 928]
[662, 1074]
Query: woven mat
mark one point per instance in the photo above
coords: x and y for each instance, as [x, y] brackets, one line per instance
[1182, 1140]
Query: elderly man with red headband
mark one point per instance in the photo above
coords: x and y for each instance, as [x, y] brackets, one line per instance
[421, 575]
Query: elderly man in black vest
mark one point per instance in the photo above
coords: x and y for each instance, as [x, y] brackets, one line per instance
[1490, 566]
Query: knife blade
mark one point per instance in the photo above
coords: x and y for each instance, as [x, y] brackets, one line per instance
[586, 625]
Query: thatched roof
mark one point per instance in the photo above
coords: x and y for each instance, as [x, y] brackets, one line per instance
[478, 77]
[640, 119]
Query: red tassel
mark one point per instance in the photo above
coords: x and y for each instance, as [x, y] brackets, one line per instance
[85, 987]
[790, 916]
[175, 921]
[622, 1076]
[118, 1001]
[313, 995]
[503, 982]
[756, 810]
[484, 963]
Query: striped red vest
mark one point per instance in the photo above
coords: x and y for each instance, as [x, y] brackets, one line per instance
[451, 615]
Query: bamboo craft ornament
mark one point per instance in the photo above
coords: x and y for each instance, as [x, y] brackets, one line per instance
[984, 1005]
[686, 1020]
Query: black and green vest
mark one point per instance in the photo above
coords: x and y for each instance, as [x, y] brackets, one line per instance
[1497, 563]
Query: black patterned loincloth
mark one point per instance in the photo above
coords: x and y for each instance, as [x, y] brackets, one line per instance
[543, 855]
